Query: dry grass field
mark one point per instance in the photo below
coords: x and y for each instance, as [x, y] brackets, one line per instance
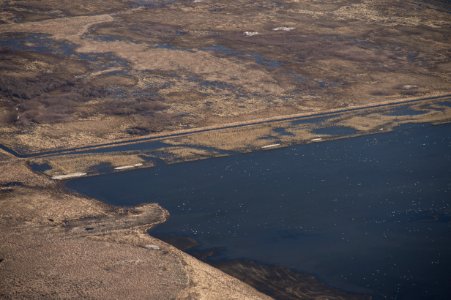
[89, 72]
[81, 72]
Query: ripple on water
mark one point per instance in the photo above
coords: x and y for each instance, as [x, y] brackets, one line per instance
[365, 213]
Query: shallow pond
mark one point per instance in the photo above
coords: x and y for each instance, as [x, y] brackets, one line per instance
[368, 214]
[405, 111]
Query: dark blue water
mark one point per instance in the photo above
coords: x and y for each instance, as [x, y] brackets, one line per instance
[369, 214]
[405, 111]
[40, 167]
[446, 103]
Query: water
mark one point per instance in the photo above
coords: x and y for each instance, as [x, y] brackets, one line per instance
[36, 42]
[446, 103]
[367, 214]
[405, 111]
[40, 167]
[282, 131]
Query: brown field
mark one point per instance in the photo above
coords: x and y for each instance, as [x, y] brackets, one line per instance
[88, 163]
[365, 121]
[60, 245]
[83, 73]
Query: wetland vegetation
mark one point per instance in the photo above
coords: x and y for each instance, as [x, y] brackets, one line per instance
[300, 146]
[365, 214]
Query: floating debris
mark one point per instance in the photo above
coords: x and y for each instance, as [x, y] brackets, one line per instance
[270, 146]
[128, 166]
[251, 33]
[67, 176]
[283, 28]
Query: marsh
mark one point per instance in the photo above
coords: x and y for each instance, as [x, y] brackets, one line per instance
[369, 214]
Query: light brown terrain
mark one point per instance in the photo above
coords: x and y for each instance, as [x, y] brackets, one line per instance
[246, 137]
[90, 72]
[75, 73]
[59, 245]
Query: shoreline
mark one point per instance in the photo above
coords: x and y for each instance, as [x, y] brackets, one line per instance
[89, 89]
[178, 150]
[102, 239]
[182, 133]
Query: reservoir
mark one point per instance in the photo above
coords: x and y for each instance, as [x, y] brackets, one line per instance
[368, 214]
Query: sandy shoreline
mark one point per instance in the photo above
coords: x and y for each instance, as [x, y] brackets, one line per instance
[57, 244]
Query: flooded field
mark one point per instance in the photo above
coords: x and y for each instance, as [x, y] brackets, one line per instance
[368, 215]
[299, 146]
